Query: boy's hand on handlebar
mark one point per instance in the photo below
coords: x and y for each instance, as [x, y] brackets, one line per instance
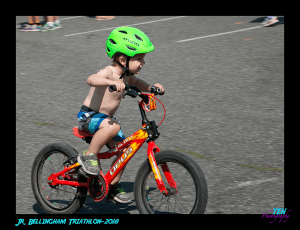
[119, 85]
[157, 85]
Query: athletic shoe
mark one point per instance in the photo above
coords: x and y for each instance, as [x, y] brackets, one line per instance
[58, 25]
[117, 194]
[46, 28]
[269, 21]
[89, 164]
[36, 28]
[27, 28]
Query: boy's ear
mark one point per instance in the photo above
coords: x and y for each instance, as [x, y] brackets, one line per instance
[122, 60]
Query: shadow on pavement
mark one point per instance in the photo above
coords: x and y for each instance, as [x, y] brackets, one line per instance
[92, 207]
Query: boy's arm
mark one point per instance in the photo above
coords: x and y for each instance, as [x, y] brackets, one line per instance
[142, 85]
[102, 78]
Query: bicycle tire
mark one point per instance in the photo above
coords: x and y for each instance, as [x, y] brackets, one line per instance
[182, 159]
[44, 153]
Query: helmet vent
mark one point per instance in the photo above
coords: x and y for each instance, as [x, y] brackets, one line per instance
[123, 31]
[138, 37]
[131, 48]
[112, 41]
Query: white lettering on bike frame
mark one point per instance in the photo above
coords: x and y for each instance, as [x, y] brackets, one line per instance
[122, 159]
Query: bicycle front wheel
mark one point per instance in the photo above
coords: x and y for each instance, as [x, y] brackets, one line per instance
[60, 199]
[191, 197]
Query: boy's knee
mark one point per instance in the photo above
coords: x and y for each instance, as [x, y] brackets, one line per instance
[113, 126]
[110, 126]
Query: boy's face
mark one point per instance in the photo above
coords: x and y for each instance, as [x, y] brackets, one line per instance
[136, 63]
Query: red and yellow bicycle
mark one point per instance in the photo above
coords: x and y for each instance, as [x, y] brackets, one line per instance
[167, 181]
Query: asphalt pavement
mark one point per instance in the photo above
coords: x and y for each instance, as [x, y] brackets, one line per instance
[224, 82]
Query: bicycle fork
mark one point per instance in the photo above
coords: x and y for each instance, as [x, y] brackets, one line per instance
[153, 148]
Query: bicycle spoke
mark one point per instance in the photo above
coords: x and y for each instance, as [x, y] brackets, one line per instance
[54, 197]
[180, 202]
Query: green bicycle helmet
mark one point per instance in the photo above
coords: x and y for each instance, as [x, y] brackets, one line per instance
[129, 41]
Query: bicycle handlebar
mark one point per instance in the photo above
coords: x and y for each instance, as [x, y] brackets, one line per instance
[153, 89]
[113, 88]
[133, 91]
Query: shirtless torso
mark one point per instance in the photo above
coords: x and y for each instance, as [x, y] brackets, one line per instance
[100, 99]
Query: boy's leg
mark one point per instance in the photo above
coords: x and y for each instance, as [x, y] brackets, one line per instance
[112, 143]
[116, 192]
[107, 130]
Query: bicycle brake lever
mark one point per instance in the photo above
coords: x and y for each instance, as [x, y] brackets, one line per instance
[131, 93]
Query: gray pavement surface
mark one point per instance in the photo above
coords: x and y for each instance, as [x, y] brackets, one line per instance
[224, 100]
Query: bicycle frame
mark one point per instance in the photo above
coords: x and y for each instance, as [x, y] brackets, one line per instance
[128, 148]
[134, 143]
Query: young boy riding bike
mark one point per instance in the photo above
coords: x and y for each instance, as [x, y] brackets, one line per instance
[128, 47]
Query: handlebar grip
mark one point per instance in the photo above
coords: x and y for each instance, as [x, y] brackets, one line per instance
[158, 91]
[112, 88]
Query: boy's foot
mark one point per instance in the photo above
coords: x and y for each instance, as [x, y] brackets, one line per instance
[117, 194]
[269, 21]
[89, 164]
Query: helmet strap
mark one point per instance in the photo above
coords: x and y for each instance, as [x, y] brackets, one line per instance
[125, 69]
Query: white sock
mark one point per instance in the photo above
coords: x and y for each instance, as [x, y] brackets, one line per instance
[57, 22]
[50, 23]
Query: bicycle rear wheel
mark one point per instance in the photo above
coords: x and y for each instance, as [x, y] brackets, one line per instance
[191, 197]
[58, 199]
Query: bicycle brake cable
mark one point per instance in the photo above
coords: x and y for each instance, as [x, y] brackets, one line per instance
[164, 111]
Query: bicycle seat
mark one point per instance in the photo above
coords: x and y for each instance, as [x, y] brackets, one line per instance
[81, 133]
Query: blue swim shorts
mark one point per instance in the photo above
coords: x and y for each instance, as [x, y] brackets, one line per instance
[90, 120]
